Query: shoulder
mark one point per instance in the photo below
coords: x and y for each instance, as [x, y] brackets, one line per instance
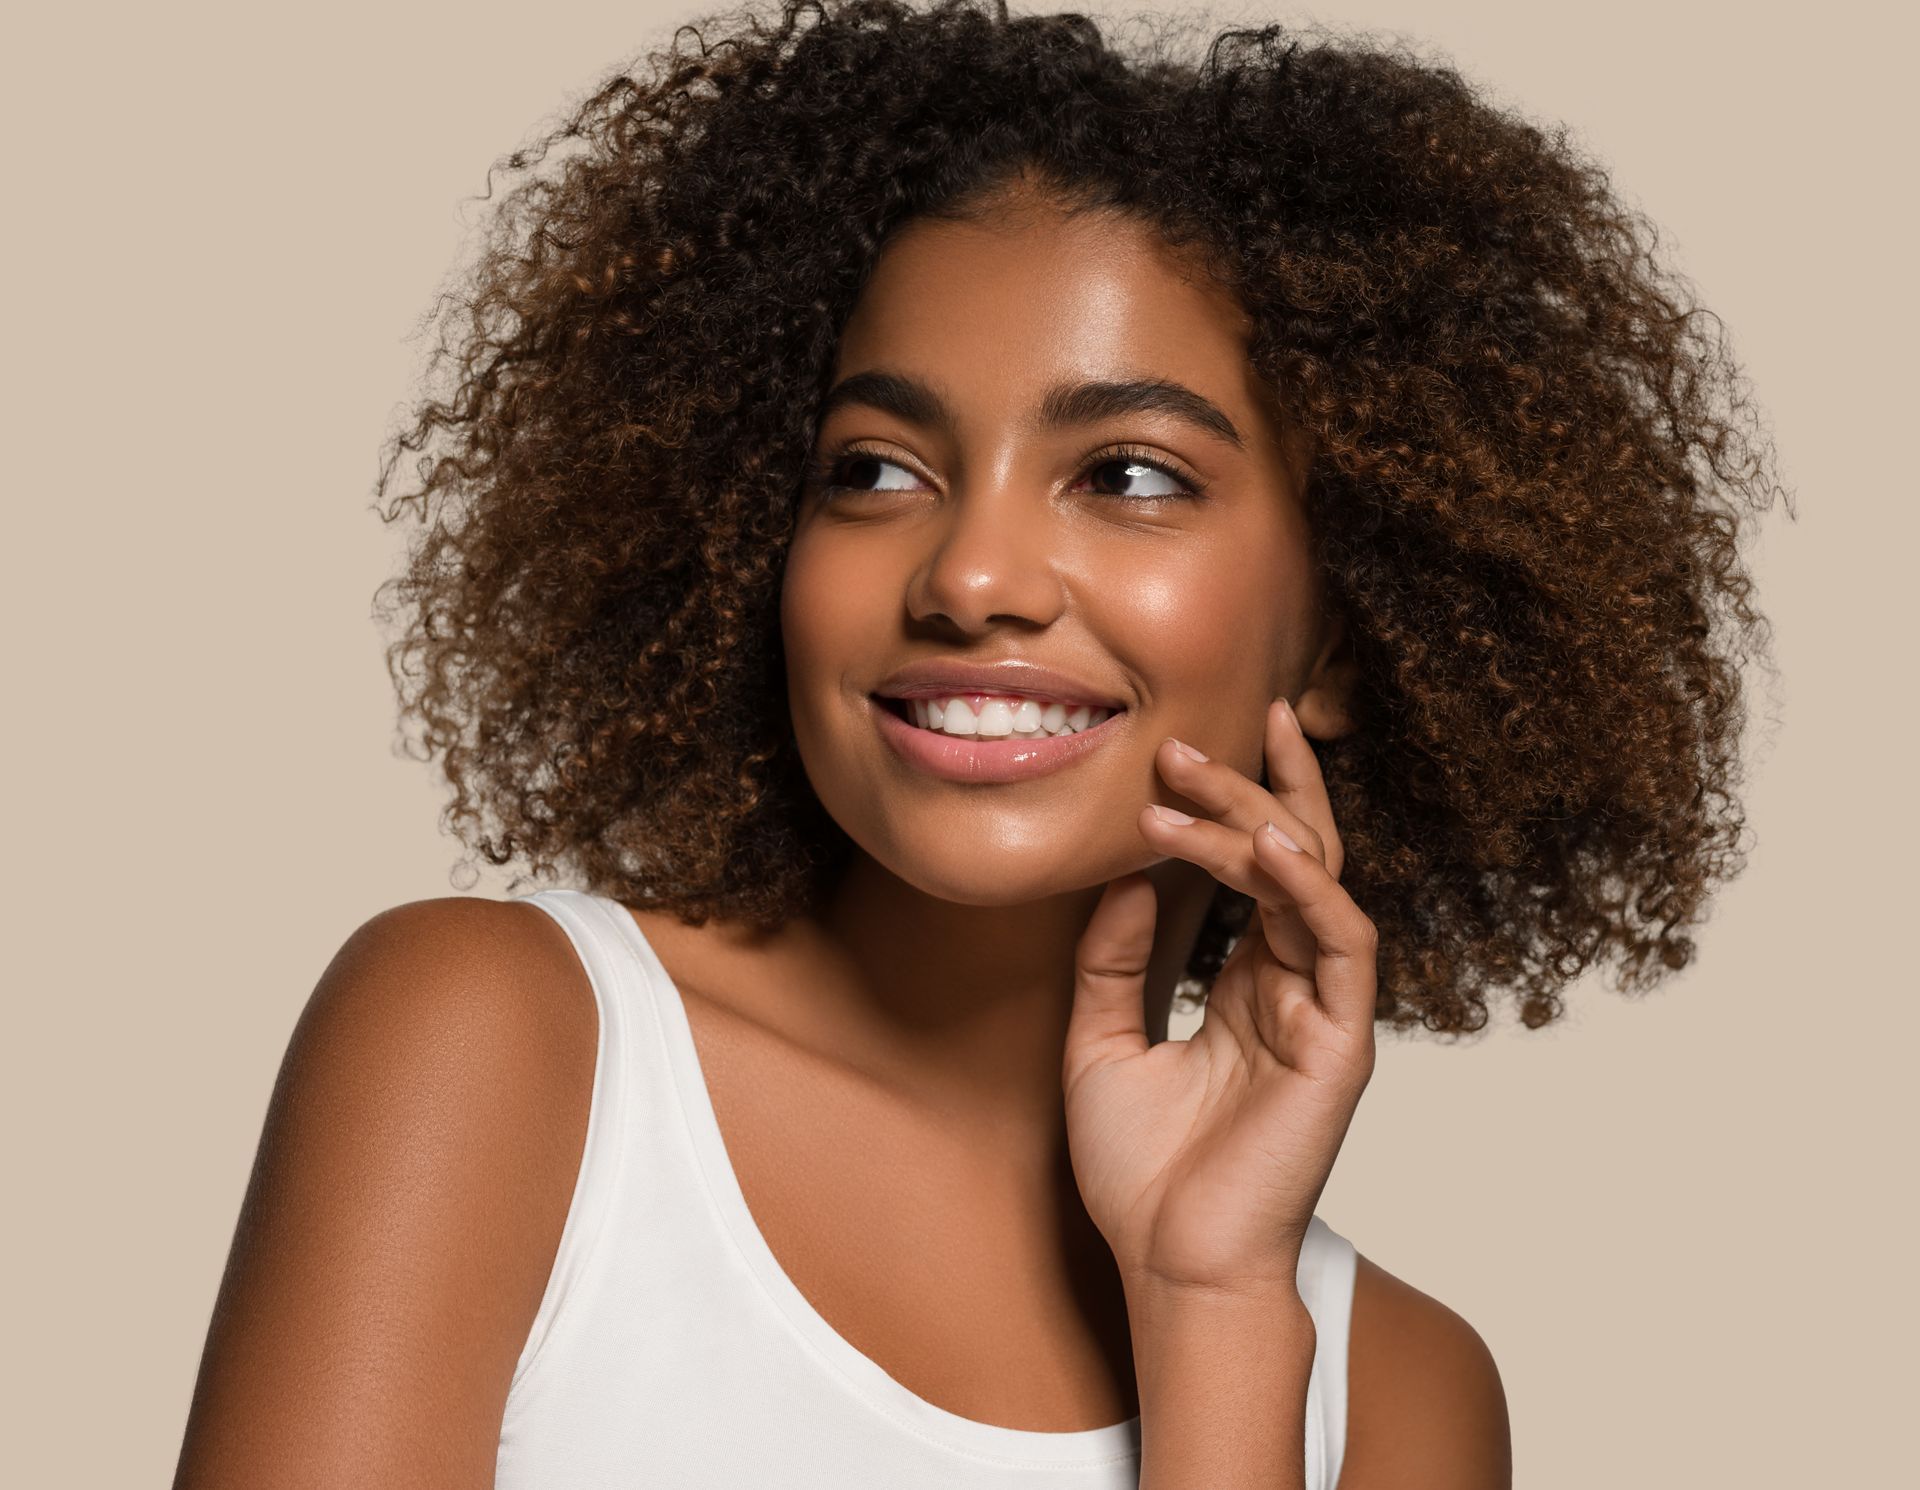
[406, 1203]
[458, 1021]
[1425, 1403]
[502, 974]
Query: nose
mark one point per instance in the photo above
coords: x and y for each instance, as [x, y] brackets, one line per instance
[992, 558]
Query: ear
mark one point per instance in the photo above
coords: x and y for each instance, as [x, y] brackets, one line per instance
[1324, 704]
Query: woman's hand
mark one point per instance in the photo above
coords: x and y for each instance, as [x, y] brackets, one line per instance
[1201, 1160]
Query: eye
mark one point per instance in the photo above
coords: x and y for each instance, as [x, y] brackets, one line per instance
[853, 469]
[1131, 468]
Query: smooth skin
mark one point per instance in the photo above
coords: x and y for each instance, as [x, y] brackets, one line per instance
[980, 1011]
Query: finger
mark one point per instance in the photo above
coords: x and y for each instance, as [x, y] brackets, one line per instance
[1345, 940]
[1293, 775]
[1228, 855]
[1230, 796]
[1108, 1018]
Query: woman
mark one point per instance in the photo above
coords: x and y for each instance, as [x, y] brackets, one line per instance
[945, 537]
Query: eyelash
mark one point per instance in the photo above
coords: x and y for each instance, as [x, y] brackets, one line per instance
[820, 473]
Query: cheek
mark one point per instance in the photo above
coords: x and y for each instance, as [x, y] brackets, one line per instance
[835, 609]
[815, 602]
[1210, 623]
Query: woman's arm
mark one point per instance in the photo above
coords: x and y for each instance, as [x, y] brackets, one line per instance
[1201, 1160]
[1223, 1385]
[413, 1177]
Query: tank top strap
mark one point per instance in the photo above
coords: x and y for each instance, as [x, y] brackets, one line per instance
[621, 995]
[1328, 1266]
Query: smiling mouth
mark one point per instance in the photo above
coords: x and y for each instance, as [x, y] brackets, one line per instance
[985, 758]
[988, 717]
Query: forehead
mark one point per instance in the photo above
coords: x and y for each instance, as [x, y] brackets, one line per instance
[996, 310]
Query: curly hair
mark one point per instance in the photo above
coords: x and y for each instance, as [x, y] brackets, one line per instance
[1533, 470]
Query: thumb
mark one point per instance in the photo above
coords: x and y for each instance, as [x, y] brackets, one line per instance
[1109, 1017]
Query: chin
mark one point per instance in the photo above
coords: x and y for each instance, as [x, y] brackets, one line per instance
[1008, 877]
[991, 890]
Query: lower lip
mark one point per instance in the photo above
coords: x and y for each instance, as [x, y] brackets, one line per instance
[957, 758]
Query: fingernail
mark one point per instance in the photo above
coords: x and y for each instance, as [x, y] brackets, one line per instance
[1287, 709]
[1187, 750]
[1169, 815]
[1272, 830]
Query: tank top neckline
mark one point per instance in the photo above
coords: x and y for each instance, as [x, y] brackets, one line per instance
[1013, 1447]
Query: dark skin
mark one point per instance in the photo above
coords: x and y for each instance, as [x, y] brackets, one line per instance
[369, 1321]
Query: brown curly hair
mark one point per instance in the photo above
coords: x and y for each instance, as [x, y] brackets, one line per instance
[1533, 465]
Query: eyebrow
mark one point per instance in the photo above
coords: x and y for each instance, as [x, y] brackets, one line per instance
[1063, 406]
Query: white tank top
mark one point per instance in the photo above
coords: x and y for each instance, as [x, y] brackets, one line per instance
[671, 1348]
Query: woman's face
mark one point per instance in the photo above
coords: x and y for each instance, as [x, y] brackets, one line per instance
[1004, 386]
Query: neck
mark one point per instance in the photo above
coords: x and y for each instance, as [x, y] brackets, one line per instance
[970, 1003]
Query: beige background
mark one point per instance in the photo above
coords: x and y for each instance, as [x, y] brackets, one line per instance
[1683, 1224]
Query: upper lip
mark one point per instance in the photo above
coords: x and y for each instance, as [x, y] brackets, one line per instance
[937, 677]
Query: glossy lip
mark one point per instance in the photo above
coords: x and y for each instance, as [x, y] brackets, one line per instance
[957, 758]
[940, 677]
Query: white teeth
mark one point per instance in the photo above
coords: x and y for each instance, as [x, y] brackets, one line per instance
[1000, 718]
[996, 719]
[957, 719]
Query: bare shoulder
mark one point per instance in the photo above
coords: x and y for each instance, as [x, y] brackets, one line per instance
[1425, 1404]
[406, 1203]
[500, 971]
